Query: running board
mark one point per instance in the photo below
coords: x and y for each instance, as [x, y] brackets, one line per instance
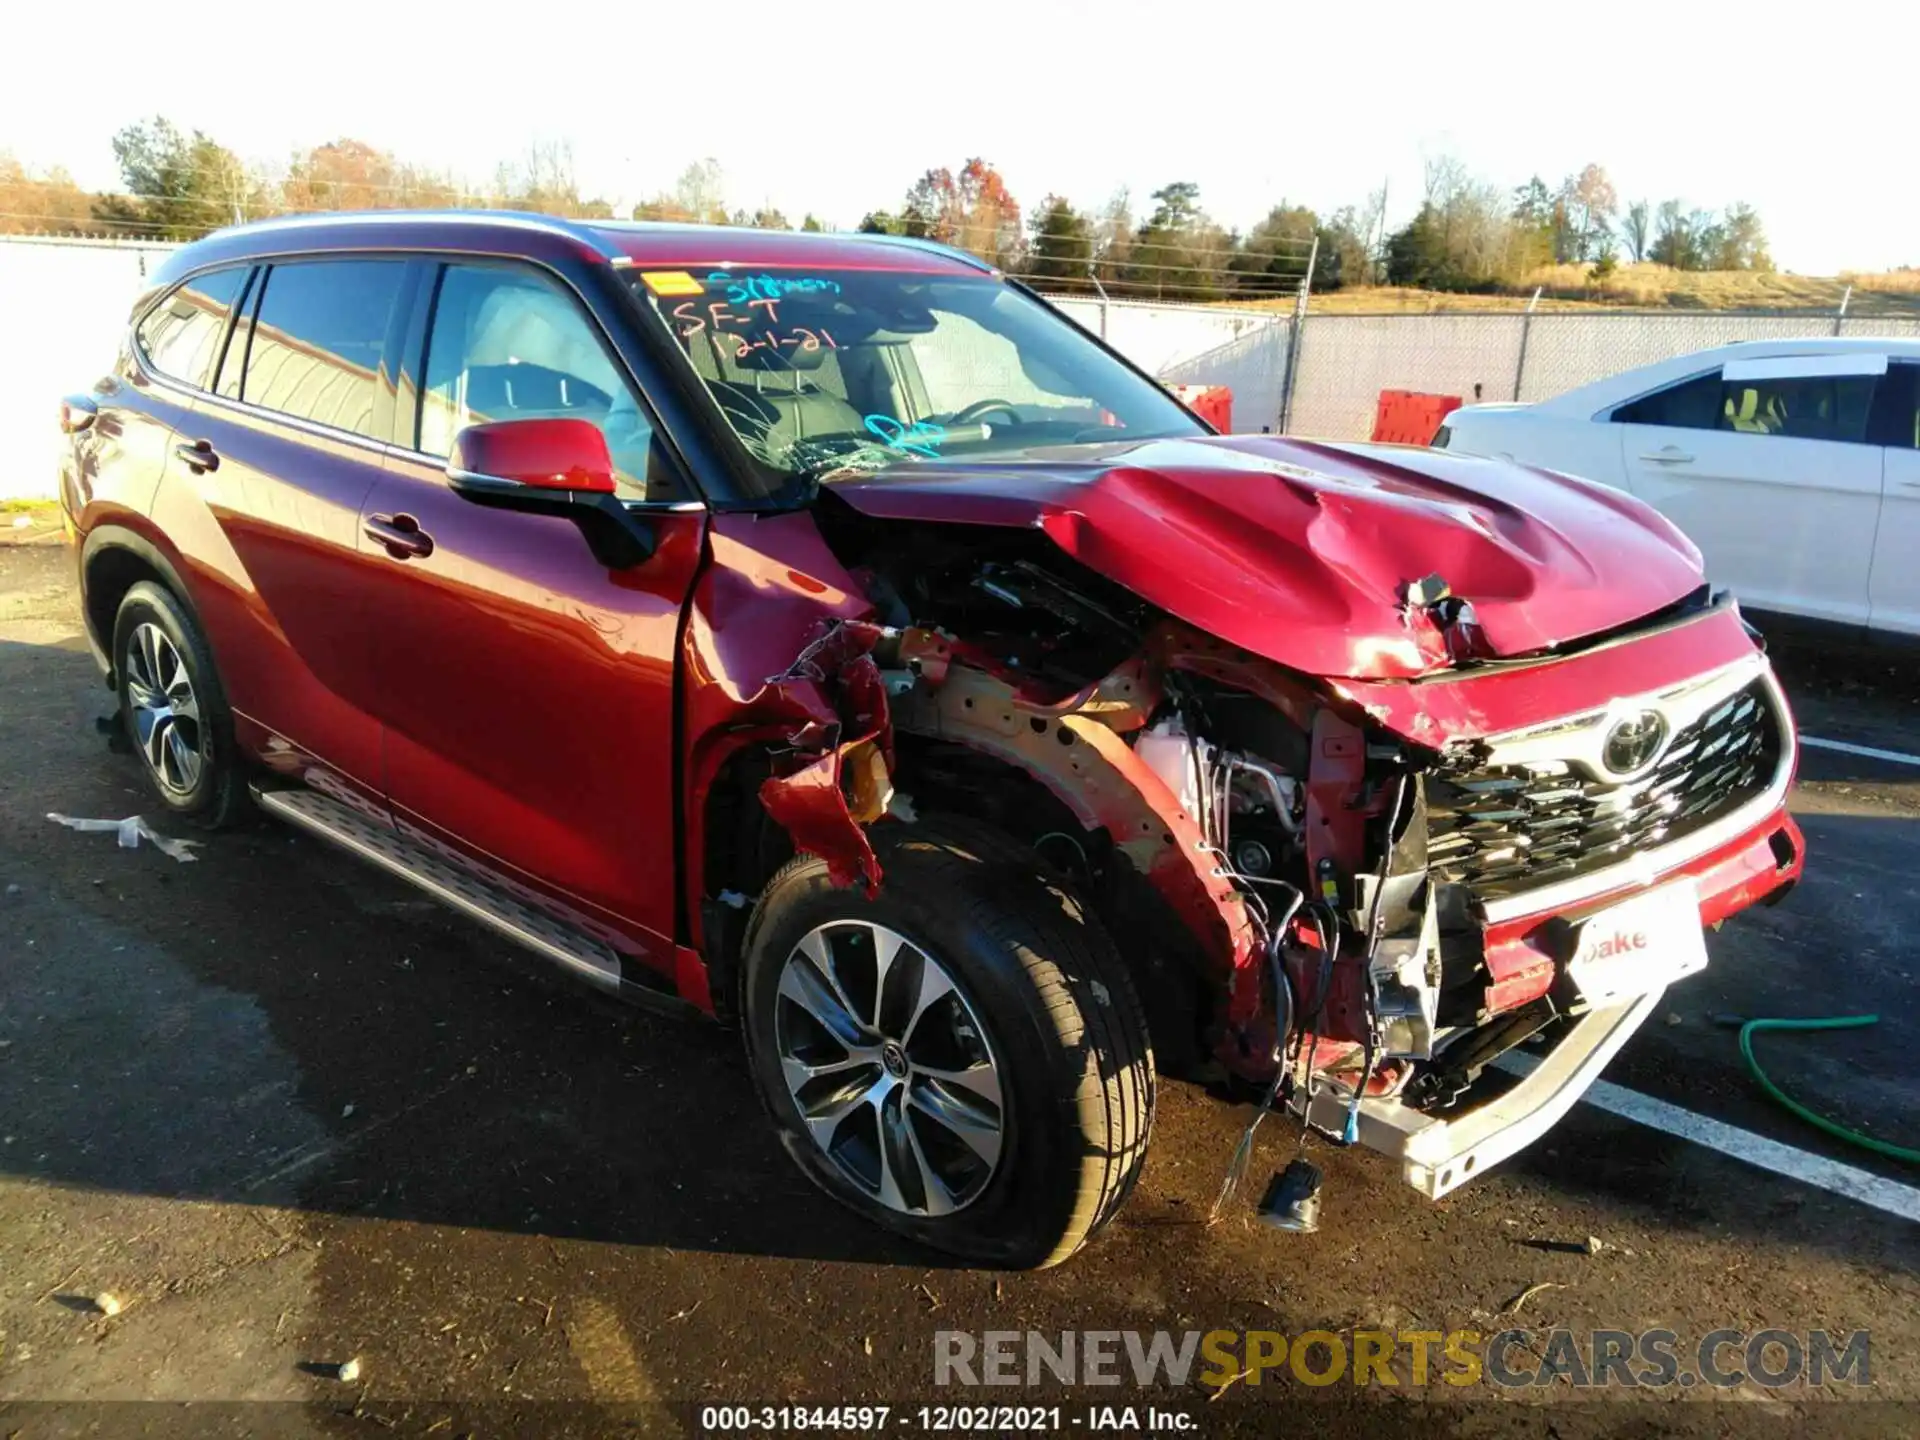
[454, 886]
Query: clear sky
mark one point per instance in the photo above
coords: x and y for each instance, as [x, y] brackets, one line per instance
[835, 106]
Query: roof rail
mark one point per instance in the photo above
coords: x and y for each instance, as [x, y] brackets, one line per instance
[530, 219]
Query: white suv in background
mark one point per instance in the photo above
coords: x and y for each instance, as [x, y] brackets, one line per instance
[1793, 464]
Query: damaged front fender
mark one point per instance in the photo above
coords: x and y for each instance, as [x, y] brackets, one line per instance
[1076, 749]
[827, 787]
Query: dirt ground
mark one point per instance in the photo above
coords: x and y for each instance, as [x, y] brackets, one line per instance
[288, 1113]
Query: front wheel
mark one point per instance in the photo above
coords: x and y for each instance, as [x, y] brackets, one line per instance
[961, 1059]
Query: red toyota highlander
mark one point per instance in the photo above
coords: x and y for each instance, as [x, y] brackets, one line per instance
[824, 634]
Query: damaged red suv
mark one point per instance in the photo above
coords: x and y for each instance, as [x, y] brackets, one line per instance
[824, 634]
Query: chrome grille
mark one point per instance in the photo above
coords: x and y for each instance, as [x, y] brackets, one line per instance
[1504, 829]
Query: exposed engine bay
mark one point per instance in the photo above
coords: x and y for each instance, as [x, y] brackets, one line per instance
[1318, 905]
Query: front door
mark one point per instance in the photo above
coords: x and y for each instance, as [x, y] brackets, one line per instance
[529, 690]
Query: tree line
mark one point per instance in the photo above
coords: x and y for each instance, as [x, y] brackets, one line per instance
[179, 185]
[1471, 235]
[1467, 233]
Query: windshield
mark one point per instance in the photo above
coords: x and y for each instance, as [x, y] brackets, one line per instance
[824, 372]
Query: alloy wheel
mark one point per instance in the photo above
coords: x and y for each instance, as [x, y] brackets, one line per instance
[890, 1068]
[166, 712]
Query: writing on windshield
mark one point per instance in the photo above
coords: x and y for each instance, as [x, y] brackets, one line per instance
[820, 368]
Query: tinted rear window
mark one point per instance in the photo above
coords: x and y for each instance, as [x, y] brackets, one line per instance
[1691, 405]
[1816, 407]
[180, 337]
[318, 340]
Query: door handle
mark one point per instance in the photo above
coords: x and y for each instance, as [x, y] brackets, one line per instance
[1671, 455]
[401, 534]
[200, 456]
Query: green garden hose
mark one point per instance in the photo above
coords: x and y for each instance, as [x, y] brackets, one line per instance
[1840, 1132]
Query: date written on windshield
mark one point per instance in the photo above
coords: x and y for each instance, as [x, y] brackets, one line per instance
[756, 326]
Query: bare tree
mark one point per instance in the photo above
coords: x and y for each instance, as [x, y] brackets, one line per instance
[1588, 203]
[1636, 230]
[1444, 176]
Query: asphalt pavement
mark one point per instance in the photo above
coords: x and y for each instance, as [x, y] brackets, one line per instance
[287, 1113]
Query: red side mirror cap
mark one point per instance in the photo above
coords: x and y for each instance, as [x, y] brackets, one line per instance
[545, 454]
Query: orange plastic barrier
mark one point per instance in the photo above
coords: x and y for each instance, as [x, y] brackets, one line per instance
[1407, 417]
[1212, 403]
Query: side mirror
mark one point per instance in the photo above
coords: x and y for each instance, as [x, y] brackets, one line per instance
[551, 467]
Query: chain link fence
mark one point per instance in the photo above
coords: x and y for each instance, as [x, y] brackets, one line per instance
[1343, 362]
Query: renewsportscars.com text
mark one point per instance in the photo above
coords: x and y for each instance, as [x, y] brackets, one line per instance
[1508, 1358]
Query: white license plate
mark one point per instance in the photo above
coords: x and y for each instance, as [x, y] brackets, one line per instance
[1639, 945]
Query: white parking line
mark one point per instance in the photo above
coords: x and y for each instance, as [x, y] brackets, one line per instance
[1868, 751]
[1831, 1175]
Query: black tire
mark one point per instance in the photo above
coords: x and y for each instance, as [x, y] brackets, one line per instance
[217, 794]
[1060, 1015]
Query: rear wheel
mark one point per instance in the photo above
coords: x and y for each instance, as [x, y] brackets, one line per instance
[961, 1059]
[174, 708]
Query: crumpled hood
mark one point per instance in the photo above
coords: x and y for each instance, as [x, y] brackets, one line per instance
[1302, 552]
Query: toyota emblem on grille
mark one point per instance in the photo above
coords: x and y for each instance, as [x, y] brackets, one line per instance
[1634, 742]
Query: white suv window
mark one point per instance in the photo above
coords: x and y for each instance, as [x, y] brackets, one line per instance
[1801, 407]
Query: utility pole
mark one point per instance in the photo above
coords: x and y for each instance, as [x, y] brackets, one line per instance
[1380, 237]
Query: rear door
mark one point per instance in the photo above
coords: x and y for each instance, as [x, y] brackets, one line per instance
[289, 441]
[1895, 582]
[527, 690]
[1767, 466]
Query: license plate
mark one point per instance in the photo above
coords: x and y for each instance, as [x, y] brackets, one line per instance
[1639, 945]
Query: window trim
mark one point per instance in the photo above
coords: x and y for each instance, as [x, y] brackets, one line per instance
[418, 344]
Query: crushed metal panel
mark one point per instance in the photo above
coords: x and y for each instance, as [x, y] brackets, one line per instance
[810, 795]
[1086, 763]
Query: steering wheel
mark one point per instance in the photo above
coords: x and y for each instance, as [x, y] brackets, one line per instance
[979, 409]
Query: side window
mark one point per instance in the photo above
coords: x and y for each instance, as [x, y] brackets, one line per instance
[1896, 408]
[1691, 405]
[1810, 407]
[180, 337]
[508, 344]
[318, 338]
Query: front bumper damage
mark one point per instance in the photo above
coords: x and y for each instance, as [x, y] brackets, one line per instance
[859, 684]
[1439, 1153]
